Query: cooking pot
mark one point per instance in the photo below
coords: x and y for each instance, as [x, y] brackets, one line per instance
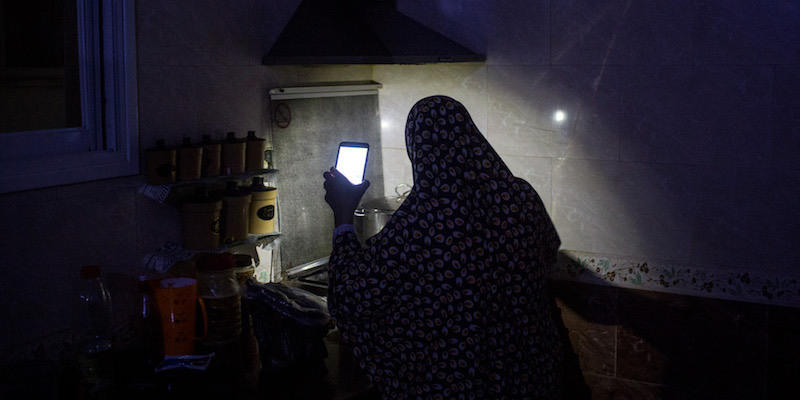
[372, 215]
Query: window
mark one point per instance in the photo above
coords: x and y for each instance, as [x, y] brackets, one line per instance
[67, 92]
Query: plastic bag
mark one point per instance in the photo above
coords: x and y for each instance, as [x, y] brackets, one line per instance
[290, 323]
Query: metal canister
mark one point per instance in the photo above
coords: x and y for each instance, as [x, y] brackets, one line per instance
[233, 155]
[234, 220]
[161, 164]
[255, 149]
[190, 161]
[212, 157]
[263, 210]
[200, 221]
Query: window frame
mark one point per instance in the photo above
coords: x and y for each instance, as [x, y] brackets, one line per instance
[106, 145]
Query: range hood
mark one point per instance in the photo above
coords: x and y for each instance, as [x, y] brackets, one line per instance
[361, 32]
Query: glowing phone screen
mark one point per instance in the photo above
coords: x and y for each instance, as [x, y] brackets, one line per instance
[352, 162]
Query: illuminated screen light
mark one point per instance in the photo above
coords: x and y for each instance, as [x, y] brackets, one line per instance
[352, 162]
[559, 116]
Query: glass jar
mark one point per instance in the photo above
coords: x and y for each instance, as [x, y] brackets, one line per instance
[219, 289]
[244, 271]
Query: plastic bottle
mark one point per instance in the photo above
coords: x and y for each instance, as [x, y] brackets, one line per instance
[92, 333]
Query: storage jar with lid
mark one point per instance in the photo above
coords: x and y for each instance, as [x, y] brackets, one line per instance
[233, 155]
[161, 164]
[212, 157]
[263, 211]
[255, 149]
[219, 289]
[200, 221]
[190, 161]
[235, 221]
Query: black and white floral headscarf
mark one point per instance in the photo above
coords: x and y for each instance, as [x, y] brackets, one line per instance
[449, 301]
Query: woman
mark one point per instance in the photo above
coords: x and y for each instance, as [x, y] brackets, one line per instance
[448, 301]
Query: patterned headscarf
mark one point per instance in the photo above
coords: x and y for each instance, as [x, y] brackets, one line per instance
[449, 299]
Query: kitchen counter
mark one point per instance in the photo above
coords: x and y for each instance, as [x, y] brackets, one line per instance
[234, 374]
[292, 359]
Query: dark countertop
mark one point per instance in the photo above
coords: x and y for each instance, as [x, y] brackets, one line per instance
[282, 354]
[234, 374]
[336, 377]
[294, 362]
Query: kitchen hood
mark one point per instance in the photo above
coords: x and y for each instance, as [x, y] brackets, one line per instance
[361, 32]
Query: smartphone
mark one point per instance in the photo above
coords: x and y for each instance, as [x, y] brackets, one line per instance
[351, 160]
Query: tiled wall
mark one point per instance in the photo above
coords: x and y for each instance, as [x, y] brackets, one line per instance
[681, 142]
[634, 344]
[673, 181]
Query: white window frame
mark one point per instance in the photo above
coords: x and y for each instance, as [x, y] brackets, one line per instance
[106, 146]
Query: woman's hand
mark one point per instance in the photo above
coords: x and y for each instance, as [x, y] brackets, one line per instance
[342, 196]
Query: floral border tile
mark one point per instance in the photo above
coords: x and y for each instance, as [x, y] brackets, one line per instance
[674, 278]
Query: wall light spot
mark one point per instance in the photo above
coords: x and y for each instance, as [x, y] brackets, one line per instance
[559, 116]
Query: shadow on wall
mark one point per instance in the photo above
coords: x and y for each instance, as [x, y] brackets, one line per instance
[637, 344]
[574, 382]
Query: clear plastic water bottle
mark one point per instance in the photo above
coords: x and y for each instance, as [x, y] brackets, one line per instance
[92, 333]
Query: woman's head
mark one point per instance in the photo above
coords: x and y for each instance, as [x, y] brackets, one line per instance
[446, 148]
[435, 122]
[464, 197]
